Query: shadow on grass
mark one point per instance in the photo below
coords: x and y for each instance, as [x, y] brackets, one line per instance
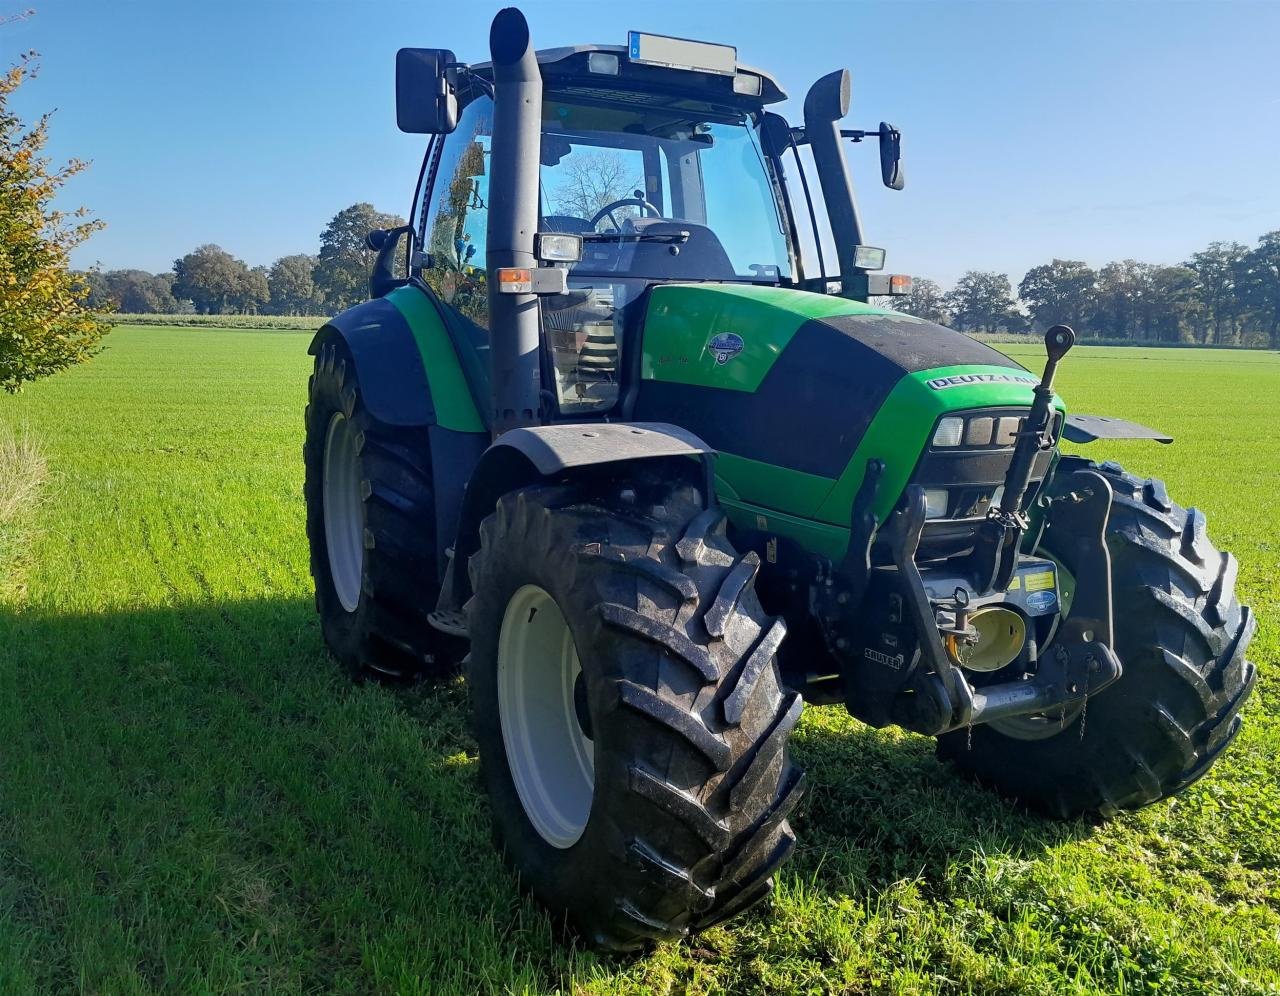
[196, 797]
[881, 808]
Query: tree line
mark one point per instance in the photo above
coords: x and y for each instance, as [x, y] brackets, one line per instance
[1228, 294]
[211, 281]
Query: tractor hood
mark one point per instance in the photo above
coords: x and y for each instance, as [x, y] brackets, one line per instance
[798, 390]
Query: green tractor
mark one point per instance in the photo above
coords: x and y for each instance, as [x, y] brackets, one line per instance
[601, 432]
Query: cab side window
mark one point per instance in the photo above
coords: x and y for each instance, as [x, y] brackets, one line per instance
[457, 215]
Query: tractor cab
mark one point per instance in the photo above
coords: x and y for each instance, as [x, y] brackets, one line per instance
[658, 162]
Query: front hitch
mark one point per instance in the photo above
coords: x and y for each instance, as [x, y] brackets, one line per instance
[1081, 662]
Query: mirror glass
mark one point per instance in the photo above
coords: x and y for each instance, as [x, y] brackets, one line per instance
[425, 100]
[891, 156]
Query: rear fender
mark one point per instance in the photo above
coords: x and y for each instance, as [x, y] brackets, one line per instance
[396, 390]
[393, 382]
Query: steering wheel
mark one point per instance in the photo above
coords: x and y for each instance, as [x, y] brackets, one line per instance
[636, 200]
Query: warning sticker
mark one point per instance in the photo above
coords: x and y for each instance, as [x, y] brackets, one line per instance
[1041, 581]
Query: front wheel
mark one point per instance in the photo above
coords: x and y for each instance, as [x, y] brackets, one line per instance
[1181, 636]
[627, 704]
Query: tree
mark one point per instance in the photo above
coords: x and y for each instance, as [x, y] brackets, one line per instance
[98, 292]
[588, 181]
[1261, 285]
[1220, 269]
[214, 281]
[1172, 308]
[342, 271]
[1060, 292]
[137, 292]
[255, 291]
[926, 301]
[45, 324]
[983, 302]
[1121, 291]
[293, 291]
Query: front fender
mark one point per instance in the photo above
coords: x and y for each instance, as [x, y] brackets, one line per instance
[521, 457]
[1087, 428]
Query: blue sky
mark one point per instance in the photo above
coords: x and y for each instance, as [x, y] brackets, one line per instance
[1087, 130]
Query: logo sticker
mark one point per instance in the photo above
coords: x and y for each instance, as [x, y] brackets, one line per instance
[894, 661]
[1042, 601]
[960, 380]
[725, 346]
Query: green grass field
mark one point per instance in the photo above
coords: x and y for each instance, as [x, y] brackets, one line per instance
[192, 799]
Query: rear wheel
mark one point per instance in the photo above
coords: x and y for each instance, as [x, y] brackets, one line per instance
[631, 721]
[371, 527]
[1181, 636]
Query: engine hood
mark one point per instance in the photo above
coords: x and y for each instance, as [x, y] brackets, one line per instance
[798, 390]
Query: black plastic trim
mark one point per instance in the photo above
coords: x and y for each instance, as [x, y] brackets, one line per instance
[393, 382]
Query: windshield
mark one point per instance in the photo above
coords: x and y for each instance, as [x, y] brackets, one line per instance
[661, 194]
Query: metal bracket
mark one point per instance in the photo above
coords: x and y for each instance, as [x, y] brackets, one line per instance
[1073, 672]
[905, 544]
[855, 566]
[1076, 531]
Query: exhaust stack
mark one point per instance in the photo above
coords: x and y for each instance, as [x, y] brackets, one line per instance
[824, 105]
[513, 221]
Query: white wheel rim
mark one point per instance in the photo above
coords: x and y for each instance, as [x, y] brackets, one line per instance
[343, 511]
[552, 760]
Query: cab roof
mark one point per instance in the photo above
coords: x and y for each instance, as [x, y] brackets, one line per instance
[569, 63]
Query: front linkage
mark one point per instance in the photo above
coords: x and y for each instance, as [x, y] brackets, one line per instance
[931, 694]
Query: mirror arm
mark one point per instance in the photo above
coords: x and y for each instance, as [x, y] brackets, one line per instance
[384, 241]
[858, 135]
[465, 70]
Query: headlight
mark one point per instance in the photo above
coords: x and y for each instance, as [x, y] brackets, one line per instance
[949, 431]
[935, 503]
[1007, 430]
[979, 431]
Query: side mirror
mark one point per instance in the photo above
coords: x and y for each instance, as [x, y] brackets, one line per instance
[385, 242]
[426, 97]
[891, 157]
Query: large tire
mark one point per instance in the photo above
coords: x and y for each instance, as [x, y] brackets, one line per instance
[373, 608]
[692, 782]
[1181, 636]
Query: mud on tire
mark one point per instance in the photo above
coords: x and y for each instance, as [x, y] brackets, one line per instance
[1181, 636]
[693, 784]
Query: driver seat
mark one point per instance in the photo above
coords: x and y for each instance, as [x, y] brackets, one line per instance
[566, 224]
[702, 256]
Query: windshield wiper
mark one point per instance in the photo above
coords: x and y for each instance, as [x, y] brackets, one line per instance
[668, 238]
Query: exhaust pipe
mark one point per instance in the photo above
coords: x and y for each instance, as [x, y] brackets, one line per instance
[826, 103]
[513, 221]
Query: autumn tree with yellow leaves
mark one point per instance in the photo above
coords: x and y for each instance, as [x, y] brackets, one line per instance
[44, 323]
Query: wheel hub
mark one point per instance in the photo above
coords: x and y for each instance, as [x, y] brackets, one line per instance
[541, 705]
[343, 510]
